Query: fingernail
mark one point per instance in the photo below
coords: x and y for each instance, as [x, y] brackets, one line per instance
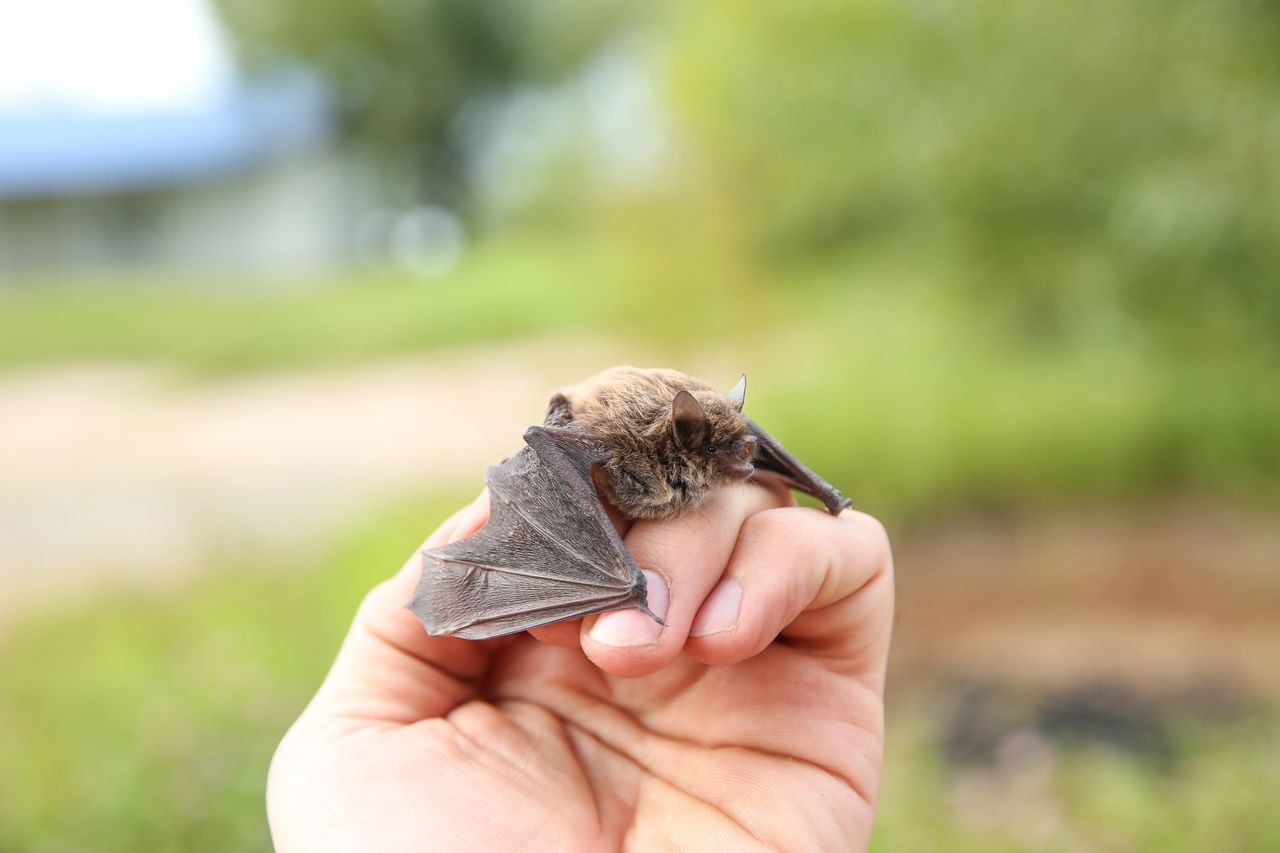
[720, 611]
[631, 627]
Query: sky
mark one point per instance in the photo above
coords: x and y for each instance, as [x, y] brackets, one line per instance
[110, 56]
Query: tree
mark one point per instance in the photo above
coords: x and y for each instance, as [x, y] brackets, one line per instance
[403, 70]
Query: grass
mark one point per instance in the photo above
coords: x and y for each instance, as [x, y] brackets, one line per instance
[1214, 793]
[218, 326]
[505, 289]
[146, 721]
[921, 400]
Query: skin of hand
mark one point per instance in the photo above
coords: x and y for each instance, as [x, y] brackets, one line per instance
[753, 720]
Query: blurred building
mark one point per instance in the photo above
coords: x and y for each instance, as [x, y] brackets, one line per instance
[175, 163]
[252, 182]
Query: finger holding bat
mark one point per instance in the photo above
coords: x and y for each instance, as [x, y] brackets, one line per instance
[683, 558]
[567, 633]
[654, 444]
[660, 544]
[564, 634]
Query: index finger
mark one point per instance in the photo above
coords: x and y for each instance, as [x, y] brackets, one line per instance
[682, 558]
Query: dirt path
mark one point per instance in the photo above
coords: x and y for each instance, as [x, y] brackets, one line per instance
[1172, 600]
[119, 472]
[131, 474]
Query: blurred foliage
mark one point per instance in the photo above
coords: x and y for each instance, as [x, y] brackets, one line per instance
[1102, 172]
[1211, 794]
[912, 397]
[403, 70]
[145, 720]
[925, 406]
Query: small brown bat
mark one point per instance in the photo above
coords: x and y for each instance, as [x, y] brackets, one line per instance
[654, 443]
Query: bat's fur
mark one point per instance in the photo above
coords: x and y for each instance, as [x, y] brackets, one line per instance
[651, 471]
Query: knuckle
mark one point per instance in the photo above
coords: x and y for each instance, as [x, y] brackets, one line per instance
[871, 532]
[785, 534]
[772, 525]
[720, 649]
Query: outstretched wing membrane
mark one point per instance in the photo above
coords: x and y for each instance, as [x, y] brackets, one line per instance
[548, 552]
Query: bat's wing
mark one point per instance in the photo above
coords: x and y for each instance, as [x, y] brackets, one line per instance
[772, 456]
[548, 552]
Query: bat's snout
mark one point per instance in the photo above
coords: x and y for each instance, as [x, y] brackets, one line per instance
[739, 463]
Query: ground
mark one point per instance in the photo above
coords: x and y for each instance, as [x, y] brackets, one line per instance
[133, 474]
[180, 555]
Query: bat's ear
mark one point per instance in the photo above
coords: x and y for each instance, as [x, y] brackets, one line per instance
[738, 396]
[689, 422]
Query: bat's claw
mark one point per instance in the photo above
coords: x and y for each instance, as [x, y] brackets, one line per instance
[644, 608]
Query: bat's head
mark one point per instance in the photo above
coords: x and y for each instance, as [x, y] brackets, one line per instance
[674, 438]
[712, 438]
[708, 443]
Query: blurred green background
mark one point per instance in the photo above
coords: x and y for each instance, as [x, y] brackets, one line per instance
[1005, 272]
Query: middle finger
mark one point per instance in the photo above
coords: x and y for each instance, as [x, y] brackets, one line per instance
[683, 559]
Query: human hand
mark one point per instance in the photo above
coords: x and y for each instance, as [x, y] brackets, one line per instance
[762, 727]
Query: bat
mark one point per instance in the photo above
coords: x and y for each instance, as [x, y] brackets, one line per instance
[654, 443]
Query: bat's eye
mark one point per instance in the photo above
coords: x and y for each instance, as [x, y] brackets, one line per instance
[711, 449]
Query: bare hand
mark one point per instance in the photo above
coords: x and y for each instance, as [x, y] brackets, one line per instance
[762, 727]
